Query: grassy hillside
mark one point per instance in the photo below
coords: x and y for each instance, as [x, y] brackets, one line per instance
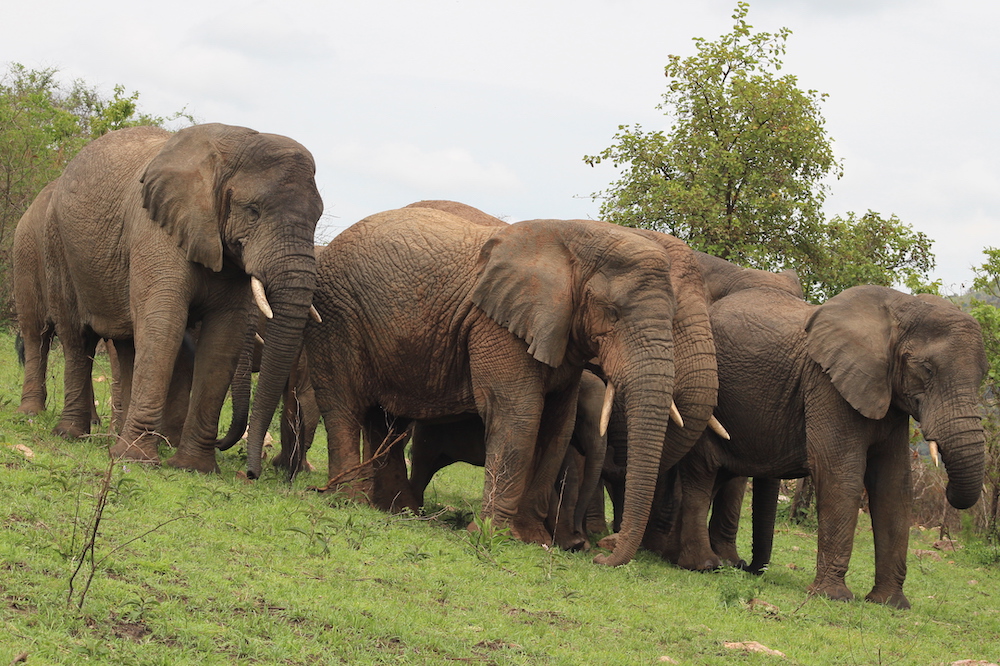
[192, 569]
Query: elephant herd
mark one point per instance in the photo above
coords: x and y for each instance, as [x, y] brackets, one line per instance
[557, 354]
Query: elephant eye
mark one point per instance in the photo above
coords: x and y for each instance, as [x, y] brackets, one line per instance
[253, 212]
[612, 312]
[923, 369]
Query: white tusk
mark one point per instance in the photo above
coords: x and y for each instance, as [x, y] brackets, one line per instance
[261, 299]
[609, 399]
[314, 313]
[717, 428]
[675, 415]
[935, 456]
[258, 338]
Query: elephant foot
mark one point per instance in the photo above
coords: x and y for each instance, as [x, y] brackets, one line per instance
[596, 526]
[31, 407]
[531, 532]
[894, 598]
[835, 591]
[572, 541]
[356, 490]
[729, 557]
[698, 561]
[70, 430]
[139, 450]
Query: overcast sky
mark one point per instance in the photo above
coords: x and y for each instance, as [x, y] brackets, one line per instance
[495, 103]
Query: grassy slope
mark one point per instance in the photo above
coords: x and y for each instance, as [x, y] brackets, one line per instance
[234, 572]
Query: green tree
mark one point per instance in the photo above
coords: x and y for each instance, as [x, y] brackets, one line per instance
[743, 171]
[43, 124]
[983, 306]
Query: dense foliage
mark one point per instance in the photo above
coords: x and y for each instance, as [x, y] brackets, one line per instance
[983, 306]
[43, 124]
[742, 172]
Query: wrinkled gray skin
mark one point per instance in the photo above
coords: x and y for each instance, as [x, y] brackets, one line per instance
[440, 444]
[150, 232]
[430, 316]
[723, 278]
[828, 391]
[437, 445]
[31, 303]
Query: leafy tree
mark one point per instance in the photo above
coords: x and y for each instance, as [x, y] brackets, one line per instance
[742, 172]
[42, 126]
[867, 250]
[983, 306]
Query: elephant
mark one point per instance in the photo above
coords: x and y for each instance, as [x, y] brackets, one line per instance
[31, 303]
[437, 445]
[828, 391]
[149, 232]
[426, 316]
[723, 278]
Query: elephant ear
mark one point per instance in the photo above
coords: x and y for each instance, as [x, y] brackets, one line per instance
[525, 285]
[182, 188]
[852, 336]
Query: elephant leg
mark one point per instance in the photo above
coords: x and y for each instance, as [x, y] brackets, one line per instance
[697, 476]
[595, 521]
[296, 432]
[887, 480]
[37, 344]
[343, 420]
[78, 352]
[555, 430]
[563, 502]
[724, 524]
[589, 441]
[426, 456]
[215, 363]
[838, 499]
[179, 395]
[510, 445]
[765, 506]
[122, 369]
[386, 438]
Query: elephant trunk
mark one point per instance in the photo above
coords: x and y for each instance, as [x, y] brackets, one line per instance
[962, 443]
[646, 388]
[240, 390]
[290, 295]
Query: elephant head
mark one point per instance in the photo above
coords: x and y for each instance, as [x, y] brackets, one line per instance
[236, 199]
[580, 290]
[887, 350]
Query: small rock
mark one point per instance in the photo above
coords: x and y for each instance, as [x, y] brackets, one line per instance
[753, 646]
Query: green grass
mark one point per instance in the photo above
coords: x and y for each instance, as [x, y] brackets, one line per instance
[194, 569]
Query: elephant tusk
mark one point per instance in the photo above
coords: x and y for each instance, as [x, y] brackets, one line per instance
[314, 313]
[257, 337]
[675, 415]
[257, 287]
[609, 399]
[717, 428]
[935, 455]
